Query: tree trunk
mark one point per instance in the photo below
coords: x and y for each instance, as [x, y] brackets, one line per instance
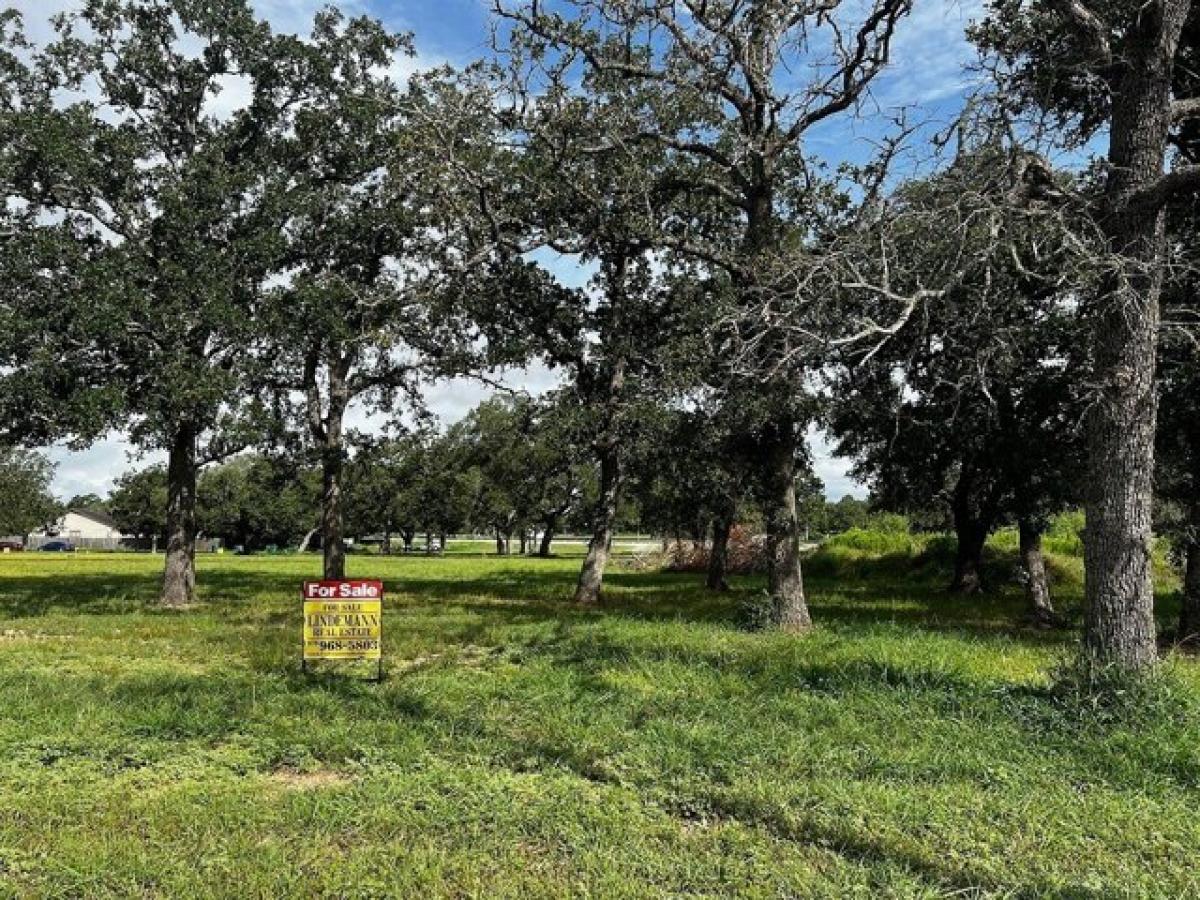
[179, 571]
[1119, 628]
[547, 536]
[1189, 612]
[325, 426]
[788, 609]
[971, 528]
[591, 576]
[333, 546]
[387, 542]
[718, 557]
[306, 540]
[1119, 595]
[501, 543]
[968, 556]
[524, 542]
[1037, 584]
[785, 583]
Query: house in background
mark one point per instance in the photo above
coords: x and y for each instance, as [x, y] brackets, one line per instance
[84, 528]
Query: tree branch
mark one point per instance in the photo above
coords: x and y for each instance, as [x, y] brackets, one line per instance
[1185, 109]
[1184, 180]
[1089, 26]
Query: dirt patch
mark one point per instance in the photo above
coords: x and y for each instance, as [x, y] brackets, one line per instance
[295, 780]
[474, 655]
[16, 634]
[415, 662]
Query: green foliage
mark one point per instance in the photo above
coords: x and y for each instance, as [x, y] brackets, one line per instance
[87, 501]
[879, 541]
[255, 502]
[848, 512]
[691, 466]
[912, 746]
[136, 191]
[1097, 694]
[960, 418]
[138, 502]
[25, 499]
[888, 523]
[1063, 540]
[527, 460]
[1064, 535]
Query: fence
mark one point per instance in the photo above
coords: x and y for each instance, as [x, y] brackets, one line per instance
[35, 542]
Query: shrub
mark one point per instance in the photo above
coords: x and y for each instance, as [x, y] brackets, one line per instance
[1065, 534]
[757, 611]
[869, 540]
[888, 523]
[1092, 693]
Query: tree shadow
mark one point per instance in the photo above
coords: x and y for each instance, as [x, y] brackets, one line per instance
[78, 593]
[533, 592]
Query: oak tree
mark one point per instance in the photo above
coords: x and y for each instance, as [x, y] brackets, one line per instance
[1101, 66]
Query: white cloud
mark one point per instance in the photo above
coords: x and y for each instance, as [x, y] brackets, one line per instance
[833, 472]
[93, 471]
[930, 54]
[296, 16]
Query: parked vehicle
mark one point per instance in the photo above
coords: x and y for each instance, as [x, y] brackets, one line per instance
[7, 546]
[58, 547]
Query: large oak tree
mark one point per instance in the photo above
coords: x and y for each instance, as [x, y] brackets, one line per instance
[1110, 67]
[147, 190]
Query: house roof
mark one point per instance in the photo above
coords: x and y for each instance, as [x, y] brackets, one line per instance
[97, 515]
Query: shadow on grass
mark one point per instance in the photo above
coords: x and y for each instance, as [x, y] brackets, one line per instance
[535, 592]
[945, 874]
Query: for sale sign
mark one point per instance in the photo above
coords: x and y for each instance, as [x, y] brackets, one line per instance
[343, 620]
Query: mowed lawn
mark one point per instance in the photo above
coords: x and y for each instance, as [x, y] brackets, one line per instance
[521, 748]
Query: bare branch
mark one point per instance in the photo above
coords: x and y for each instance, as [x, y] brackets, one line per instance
[1189, 108]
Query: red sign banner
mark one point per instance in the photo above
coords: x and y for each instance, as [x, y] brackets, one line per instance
[343, 590]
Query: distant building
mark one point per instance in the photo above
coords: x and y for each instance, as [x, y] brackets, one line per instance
[83, 525]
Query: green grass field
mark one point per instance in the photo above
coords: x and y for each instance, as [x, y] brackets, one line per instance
[521, 748]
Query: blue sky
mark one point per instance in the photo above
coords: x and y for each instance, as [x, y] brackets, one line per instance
[926, 75]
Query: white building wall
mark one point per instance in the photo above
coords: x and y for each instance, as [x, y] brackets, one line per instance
[73, 525]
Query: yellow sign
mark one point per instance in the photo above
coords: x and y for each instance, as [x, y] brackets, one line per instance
[343, 620]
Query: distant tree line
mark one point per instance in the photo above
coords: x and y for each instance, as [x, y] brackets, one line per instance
[512, 470]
